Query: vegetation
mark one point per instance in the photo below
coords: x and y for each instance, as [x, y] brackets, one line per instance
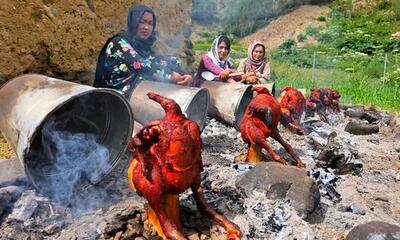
[355, 54]
[242, 17]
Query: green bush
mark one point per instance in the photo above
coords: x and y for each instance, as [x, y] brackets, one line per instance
[301, 37]
[392, 77]
[321, 18]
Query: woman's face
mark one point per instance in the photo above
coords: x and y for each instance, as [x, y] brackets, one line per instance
[145, 27]
[222, 50]
[258, 53]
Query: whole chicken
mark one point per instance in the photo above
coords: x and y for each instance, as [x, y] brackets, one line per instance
[333, 97]
[168, 161]
[260, 121]
[321, 100]
[292, 108]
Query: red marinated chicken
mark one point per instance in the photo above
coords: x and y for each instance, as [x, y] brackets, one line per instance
[167, 162]
[333, 99]
[292, 108]
[260, 121]
[320, 100]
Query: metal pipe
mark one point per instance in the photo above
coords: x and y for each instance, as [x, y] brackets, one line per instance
[28, 102]
[228, 101]
[193, 101]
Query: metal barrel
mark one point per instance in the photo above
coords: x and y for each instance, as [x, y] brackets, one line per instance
[228, 101]
[29, 102]
[194, 102]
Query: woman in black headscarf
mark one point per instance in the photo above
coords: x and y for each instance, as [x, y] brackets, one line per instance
[128, 58]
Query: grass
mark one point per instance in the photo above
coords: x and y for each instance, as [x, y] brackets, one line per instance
[349, 56]
[355, 88]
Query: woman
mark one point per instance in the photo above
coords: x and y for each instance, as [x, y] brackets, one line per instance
[216, 61]
[256, 66]
[128, 58]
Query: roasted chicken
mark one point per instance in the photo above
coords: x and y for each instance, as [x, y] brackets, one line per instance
[333, 98]
[168, 161]
[321, 100]
[260, 121]
[292, 108]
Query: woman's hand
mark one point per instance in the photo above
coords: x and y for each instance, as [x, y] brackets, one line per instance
[246, 75]
[181, 79]
[224, 74]
[251, 79]
[186, 80]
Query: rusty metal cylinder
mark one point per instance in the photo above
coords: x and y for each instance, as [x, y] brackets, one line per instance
[228, 101]
[29, 102]
[194, 102]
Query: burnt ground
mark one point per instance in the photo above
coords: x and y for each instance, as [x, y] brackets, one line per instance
[110, 210]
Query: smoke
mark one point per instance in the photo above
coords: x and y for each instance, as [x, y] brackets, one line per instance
[76, 159]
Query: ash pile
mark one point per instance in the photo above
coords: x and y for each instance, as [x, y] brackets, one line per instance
[267, 201]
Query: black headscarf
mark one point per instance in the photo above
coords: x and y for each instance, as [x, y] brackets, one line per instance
[143, 47]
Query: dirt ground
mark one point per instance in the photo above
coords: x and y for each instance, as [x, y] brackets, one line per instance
[288, 26]
[5, 149]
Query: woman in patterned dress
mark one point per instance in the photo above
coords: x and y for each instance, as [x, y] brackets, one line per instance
[128, 58]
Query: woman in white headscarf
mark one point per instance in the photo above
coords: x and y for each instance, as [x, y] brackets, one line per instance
[256, 66]
[216, 61]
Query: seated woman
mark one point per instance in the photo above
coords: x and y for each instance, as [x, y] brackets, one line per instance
[216, 61]
[256, 66]
[128, 58]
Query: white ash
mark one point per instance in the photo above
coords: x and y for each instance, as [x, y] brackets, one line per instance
[331, 146]
[327, 182]
[266, 219]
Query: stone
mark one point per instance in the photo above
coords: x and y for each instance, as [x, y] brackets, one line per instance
[359, 128]
[8, 195]
[374, 230]
[80, 26]
[25, 206]
[355, 111]
[193, 235]
[278, 181]
[353, 209]
[53, 228]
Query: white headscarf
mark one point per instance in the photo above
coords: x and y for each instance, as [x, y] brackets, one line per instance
[213, 54]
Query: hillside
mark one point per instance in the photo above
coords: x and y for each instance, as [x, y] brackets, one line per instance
[288, 26]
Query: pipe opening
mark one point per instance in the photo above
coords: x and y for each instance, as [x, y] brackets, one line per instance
[198, 107]
[79, 143]
[241, 106]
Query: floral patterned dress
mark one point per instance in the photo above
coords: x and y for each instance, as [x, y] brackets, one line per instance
[124, 67]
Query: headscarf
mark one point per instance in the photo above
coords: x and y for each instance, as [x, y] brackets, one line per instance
[143, 47]
[251, 64]
[213, 54]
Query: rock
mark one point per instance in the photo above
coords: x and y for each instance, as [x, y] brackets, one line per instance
[133, 231]
[25, 206]
[353, 209]
[355, 111]
[374, 230]
[81, 27]
[193, 235]
[53, 228]
[278, 181]
[8, 195]
[359, 128]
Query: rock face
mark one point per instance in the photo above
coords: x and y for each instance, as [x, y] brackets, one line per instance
[278, 181]
[374, 230]
[63, 39]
